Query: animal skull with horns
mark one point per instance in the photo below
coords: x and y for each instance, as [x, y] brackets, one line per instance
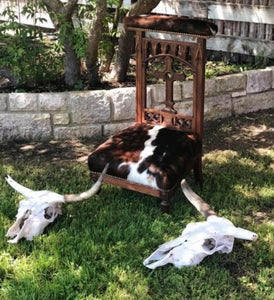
[200, 239]
[40, 208]
[197, 241]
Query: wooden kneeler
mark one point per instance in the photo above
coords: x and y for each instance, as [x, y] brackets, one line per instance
[167, 60]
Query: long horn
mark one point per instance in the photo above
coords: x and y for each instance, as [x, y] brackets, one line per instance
[18, 187]
[196, 200]
[89, 193]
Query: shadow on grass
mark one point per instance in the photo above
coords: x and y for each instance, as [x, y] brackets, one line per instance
[96, 248]
[238, 181]
[240, 133]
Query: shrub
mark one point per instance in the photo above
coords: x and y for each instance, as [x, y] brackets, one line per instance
[30, 58]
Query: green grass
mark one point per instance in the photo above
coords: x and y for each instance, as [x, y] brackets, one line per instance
[96, 248]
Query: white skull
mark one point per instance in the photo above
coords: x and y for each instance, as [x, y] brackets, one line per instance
[36, 211]
[197, 241]
[32, 218]
[40, 208]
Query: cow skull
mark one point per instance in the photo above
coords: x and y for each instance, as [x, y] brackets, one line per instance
[200, 239]
[40, 208]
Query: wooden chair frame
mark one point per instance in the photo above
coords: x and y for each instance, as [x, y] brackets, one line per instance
[190, 55]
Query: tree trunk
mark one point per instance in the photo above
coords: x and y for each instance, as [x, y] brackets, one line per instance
[112, 37]
[125, 46]
[93, 43]
[63, 17]
[72, 64]
[119, 72]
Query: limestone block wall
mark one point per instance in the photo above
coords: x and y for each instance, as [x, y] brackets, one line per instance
[66, 115]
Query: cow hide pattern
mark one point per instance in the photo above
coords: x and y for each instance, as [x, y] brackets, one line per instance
[155, 156]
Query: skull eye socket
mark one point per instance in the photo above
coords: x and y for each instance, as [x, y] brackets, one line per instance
[48, 213]
[209, 244]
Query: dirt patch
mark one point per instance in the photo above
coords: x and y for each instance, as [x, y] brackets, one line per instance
[51, 152]
[250, 131]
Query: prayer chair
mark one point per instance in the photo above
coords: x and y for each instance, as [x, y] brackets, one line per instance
[163, 146]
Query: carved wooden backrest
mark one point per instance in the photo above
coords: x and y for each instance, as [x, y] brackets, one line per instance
[190, 56]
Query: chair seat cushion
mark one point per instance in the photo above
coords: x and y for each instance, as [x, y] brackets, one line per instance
[151, 155]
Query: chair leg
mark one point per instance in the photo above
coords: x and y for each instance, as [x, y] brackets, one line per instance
[165, 206]
[198, 174]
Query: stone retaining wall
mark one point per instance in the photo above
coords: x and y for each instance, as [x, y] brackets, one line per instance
[45, 116]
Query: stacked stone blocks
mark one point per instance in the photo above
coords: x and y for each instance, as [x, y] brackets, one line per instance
[92, 114]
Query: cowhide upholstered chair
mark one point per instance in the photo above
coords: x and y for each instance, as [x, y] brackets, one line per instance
[163, 146]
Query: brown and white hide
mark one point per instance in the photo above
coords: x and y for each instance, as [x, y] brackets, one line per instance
[172, 23]
[155, 156]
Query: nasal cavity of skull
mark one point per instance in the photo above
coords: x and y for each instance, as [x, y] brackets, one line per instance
[25, 217]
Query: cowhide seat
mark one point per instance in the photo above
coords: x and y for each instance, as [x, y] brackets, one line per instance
[151, 155]
[156, 153]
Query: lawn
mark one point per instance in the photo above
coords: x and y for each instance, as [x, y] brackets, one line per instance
[95, 250]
